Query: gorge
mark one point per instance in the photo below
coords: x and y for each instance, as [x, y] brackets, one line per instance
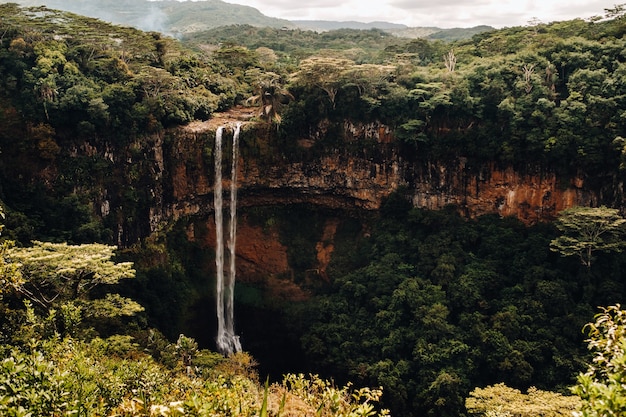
[387, 218]
[324, 192]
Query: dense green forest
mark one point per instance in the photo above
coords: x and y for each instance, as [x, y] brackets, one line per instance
[437, 309]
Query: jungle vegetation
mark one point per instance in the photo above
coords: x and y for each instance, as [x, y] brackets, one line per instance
[437, 309]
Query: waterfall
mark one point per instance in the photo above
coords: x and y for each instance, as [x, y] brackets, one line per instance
[232, 239]
[222, 340]
[227, 341]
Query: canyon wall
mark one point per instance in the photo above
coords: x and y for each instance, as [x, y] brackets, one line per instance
[359, 180]
[356, 175]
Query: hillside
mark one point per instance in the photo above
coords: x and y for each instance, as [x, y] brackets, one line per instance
[169, 17]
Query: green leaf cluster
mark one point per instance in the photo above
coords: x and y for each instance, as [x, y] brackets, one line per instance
[500, 400]
[601, 387]
[589, 229]
[114, 377]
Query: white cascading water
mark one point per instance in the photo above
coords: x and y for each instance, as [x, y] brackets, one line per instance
[227, 341]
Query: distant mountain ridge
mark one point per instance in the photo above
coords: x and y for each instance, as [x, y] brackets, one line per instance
[175, 18]
[351, 24]
[431, 32]
[167, 16]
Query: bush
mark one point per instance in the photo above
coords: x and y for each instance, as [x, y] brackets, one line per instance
[501, 401]
[31, 385]
[602, 387]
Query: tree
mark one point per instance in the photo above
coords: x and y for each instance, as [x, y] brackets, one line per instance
[10, 274]
[449, 60]
[617, 12]
[236, 57]
[269, 94]
[55, 274]
[325, 73]
[601, 388]
[589, 229]
[157, 82]
[367, 77]
[500, 400]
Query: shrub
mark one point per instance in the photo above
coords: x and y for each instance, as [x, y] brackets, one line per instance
[502, 401]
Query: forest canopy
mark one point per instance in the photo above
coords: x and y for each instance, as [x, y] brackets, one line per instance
[547, 93]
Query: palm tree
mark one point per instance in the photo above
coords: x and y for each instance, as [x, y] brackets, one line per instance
[270, 95]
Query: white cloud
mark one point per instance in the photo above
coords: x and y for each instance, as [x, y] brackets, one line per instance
[440, 13]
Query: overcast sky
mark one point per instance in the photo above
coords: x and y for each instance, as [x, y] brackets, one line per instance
[439, 13]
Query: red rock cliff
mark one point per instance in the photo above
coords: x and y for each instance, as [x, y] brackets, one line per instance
[337, 179]
[343, 180]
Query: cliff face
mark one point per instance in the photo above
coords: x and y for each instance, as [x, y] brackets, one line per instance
[361, 180]
[531, 197]
[336, 179]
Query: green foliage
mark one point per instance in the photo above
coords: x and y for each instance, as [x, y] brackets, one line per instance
[32, 385]
[9, 271]
[113, 377]
[56, 217]
[113, 305]
[587, 230]
[59, 272]
[540, 86]
[292, 45]
[601, 388]
[73, 75]
[500, 400]
[328, 400]
[429, 305]
[187, 348]
[59, 280]
[550, 101]
[270, 95]
[90, 376]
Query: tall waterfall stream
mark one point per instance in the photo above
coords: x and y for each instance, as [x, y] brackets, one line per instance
[227, 341]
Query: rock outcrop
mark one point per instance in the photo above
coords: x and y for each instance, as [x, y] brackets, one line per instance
[341, 180]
